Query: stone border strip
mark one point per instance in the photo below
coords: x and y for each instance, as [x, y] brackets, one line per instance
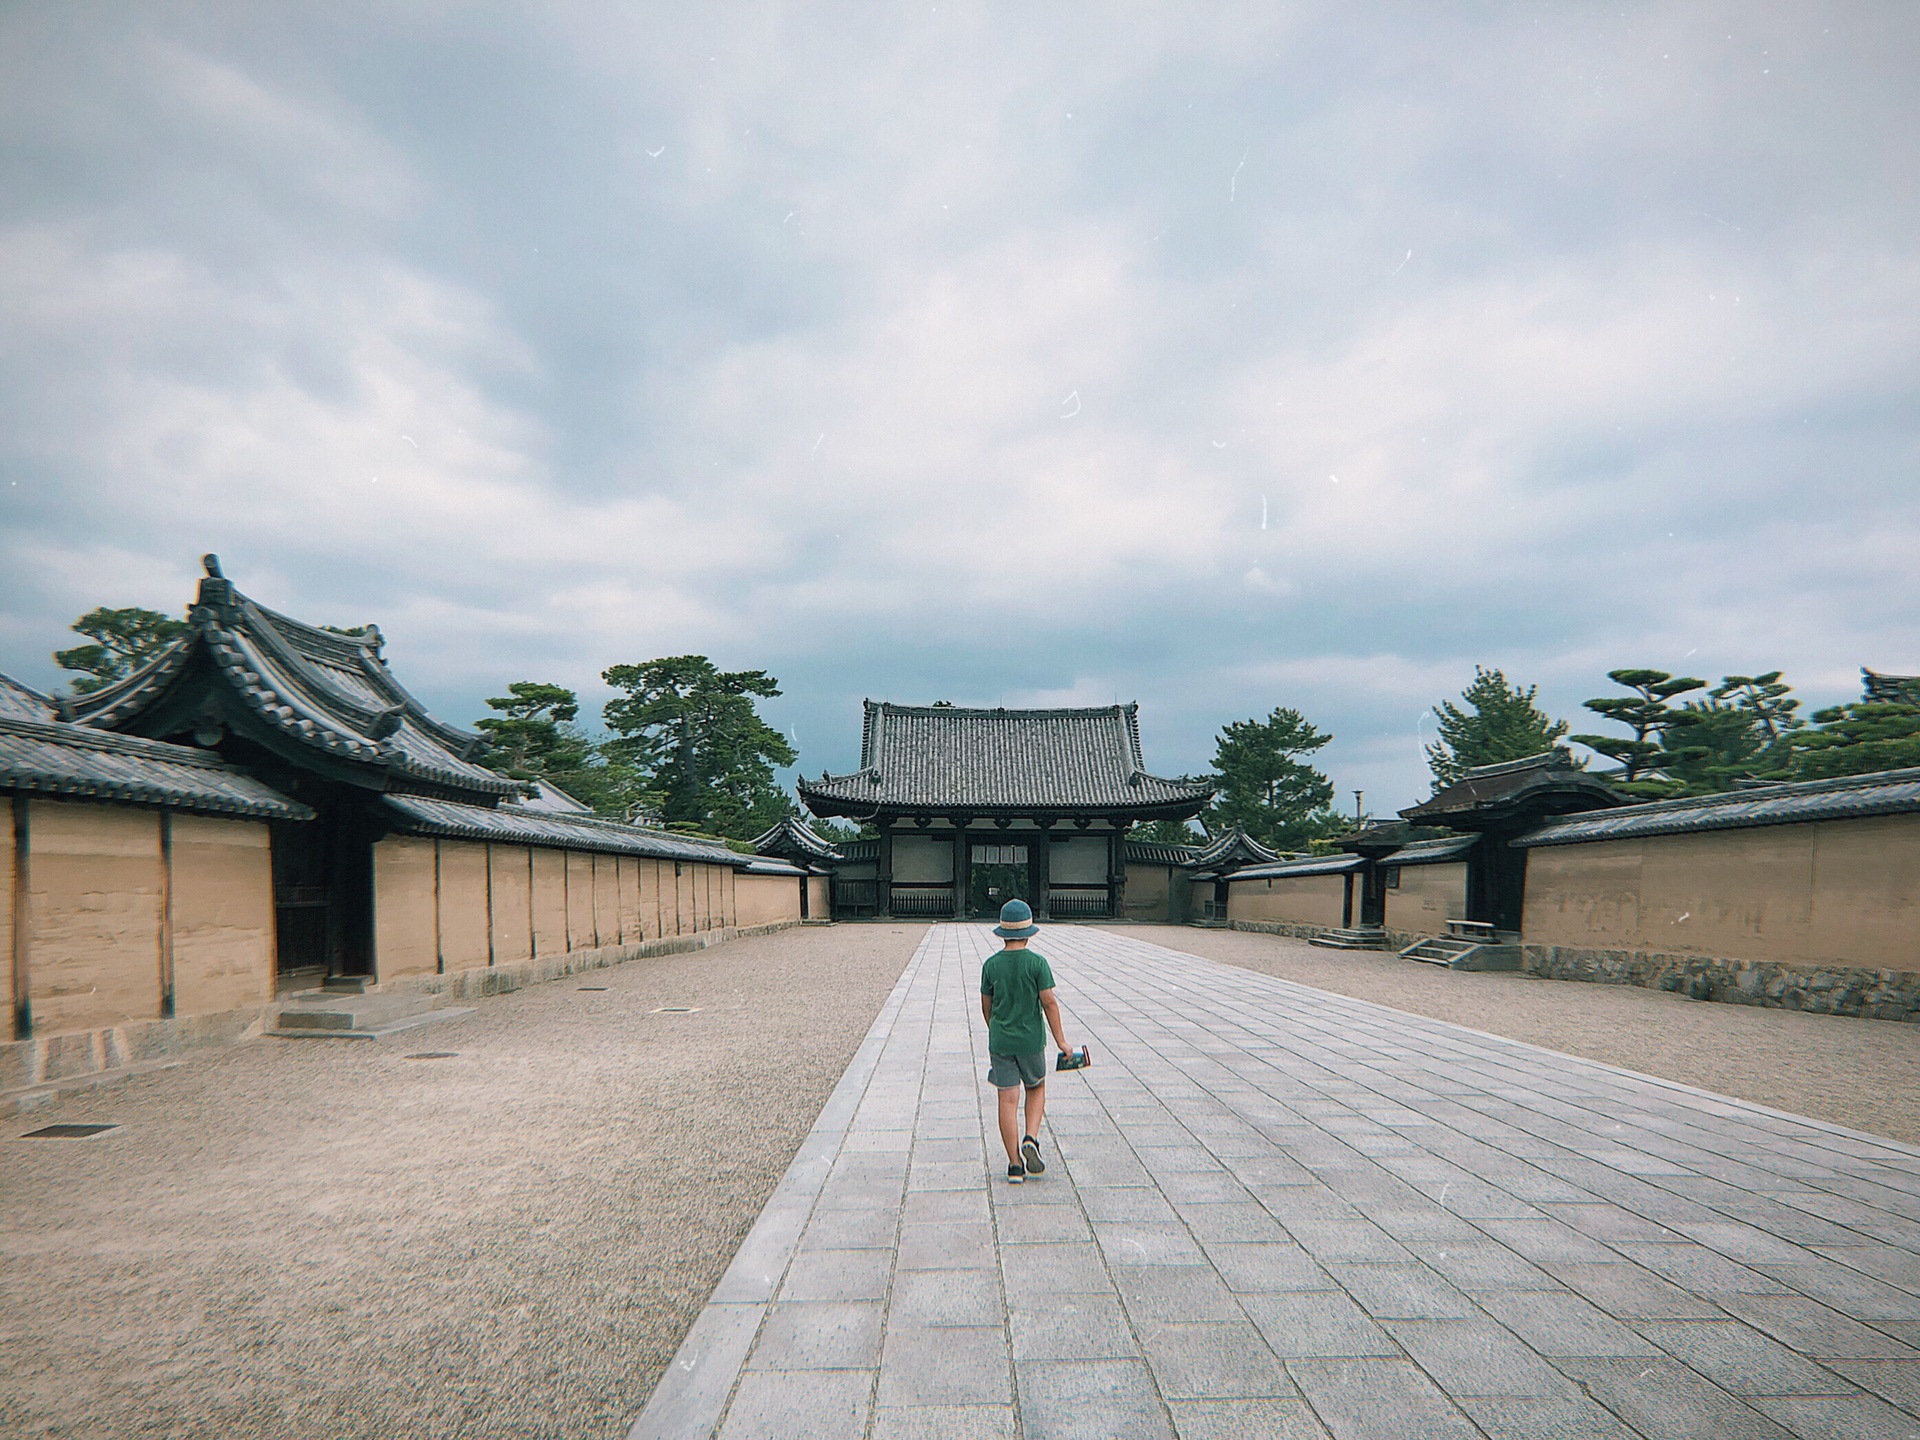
[690, 1397]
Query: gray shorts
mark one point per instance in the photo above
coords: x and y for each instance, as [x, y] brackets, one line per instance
[1006, 1071]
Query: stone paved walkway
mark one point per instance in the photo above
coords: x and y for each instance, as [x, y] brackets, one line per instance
[1274, 1211]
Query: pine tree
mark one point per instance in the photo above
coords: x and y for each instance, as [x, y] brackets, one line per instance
[123, 641]
[1655, 725]
[1504, 723]
[1858, 739]
[1266, 787]
[536, 738]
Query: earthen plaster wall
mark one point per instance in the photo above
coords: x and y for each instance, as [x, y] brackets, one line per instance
[405, 924]
[223, 920]
[465, 931]
[766, 899]
[511, 869]
[1309, 900]
[1842, 892]
[819, 897]
[549, 902]
[580, 930]
[96, 914]
[7, 900]
[1427, 897]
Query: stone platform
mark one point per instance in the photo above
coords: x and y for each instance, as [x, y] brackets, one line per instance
[1274, 1211]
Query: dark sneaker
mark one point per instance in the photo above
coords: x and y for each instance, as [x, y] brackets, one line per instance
[1016, 1174]
[1030, 1152]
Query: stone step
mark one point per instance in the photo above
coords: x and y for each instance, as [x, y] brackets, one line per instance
[1440, 949]
[1359, 937]
[322, 1014]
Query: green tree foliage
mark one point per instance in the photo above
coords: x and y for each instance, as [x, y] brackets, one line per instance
[123, 641]
[1167, 832]
[1651, 752]
[1266, 786]
[535, 738]
[1739, 733]
[1501, 722]
[1856, 739]
[700, 748]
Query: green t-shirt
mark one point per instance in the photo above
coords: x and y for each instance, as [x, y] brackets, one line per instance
[1015, 978]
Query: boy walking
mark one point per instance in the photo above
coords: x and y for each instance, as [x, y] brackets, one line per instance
[1016, 990]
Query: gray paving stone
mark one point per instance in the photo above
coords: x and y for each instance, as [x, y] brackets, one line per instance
[947, 1297]
[1039, 1224]
[776, 1405]
[1883, 1262]
[838, 1275]
[1481, 1264]
[1057, 1269]
[1576, 1419]
[1606, 1222]
[1894, 1380]
[1703, 1271]
[1316, 1323]
[952, 1365]
[1478, 1358]
[943, 1422]
[1071, 1327]
[851, 1230]
[1559, 1324]
[822, 1335]
[1257, 1268]
[1664, 1400]
[1244, 1221]
[1632, 1292]
[1245, 1420]
[1330, 1241]
[1814, 1329]
[1223, 1361]
[947, 1247]
[1127, 1203]
[1402, 1292]
[1378, 1400]
[930, 1207]
[1846, 1289]
[1740, 1360]
[1090, 1400]
[1128, 1244]
[1175, 1293]
[1544, 1241]
[1840, 1417]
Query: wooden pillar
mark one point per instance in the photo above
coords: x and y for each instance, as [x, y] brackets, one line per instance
[961, 860]
[1040, 870]
[166, 914]
[1346, 904]
[1116, 870]
[883, 876]
[22, 900]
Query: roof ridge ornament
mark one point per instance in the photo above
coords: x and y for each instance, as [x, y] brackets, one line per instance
[211, 563]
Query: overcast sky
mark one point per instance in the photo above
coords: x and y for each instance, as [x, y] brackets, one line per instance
[1214, 357]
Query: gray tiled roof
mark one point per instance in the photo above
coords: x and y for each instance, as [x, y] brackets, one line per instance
[793, 836]
[1153, 852]
[17, 702]
[1450, 849]
[1492, 792]
[330, 692]
[1887, 792]
[987, 762]
[1875, 686]
[50, 757]
[1234, 846]
[1297, 869]
[514, 824]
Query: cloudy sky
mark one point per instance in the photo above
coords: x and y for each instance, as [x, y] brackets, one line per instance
[1219, 357]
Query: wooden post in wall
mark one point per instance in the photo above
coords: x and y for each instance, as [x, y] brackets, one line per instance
[166, 914]
[22, 920]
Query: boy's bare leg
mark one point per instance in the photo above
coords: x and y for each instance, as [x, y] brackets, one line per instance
[1036, 1107]
[1010, 1123]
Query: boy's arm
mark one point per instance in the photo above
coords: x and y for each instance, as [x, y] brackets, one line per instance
[986, 1006]
[1050, 1007]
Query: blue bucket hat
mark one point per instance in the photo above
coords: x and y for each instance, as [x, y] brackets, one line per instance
[1016, 921]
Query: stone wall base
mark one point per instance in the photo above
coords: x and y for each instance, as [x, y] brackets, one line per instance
[503, 979]
[47, 1060]
[1825, 990]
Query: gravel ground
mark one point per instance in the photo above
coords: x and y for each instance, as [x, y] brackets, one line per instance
[306, 1238]
[1864, 1074]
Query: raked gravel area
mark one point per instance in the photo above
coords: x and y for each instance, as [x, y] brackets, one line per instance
[1864, 1074]
[326, 1238]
